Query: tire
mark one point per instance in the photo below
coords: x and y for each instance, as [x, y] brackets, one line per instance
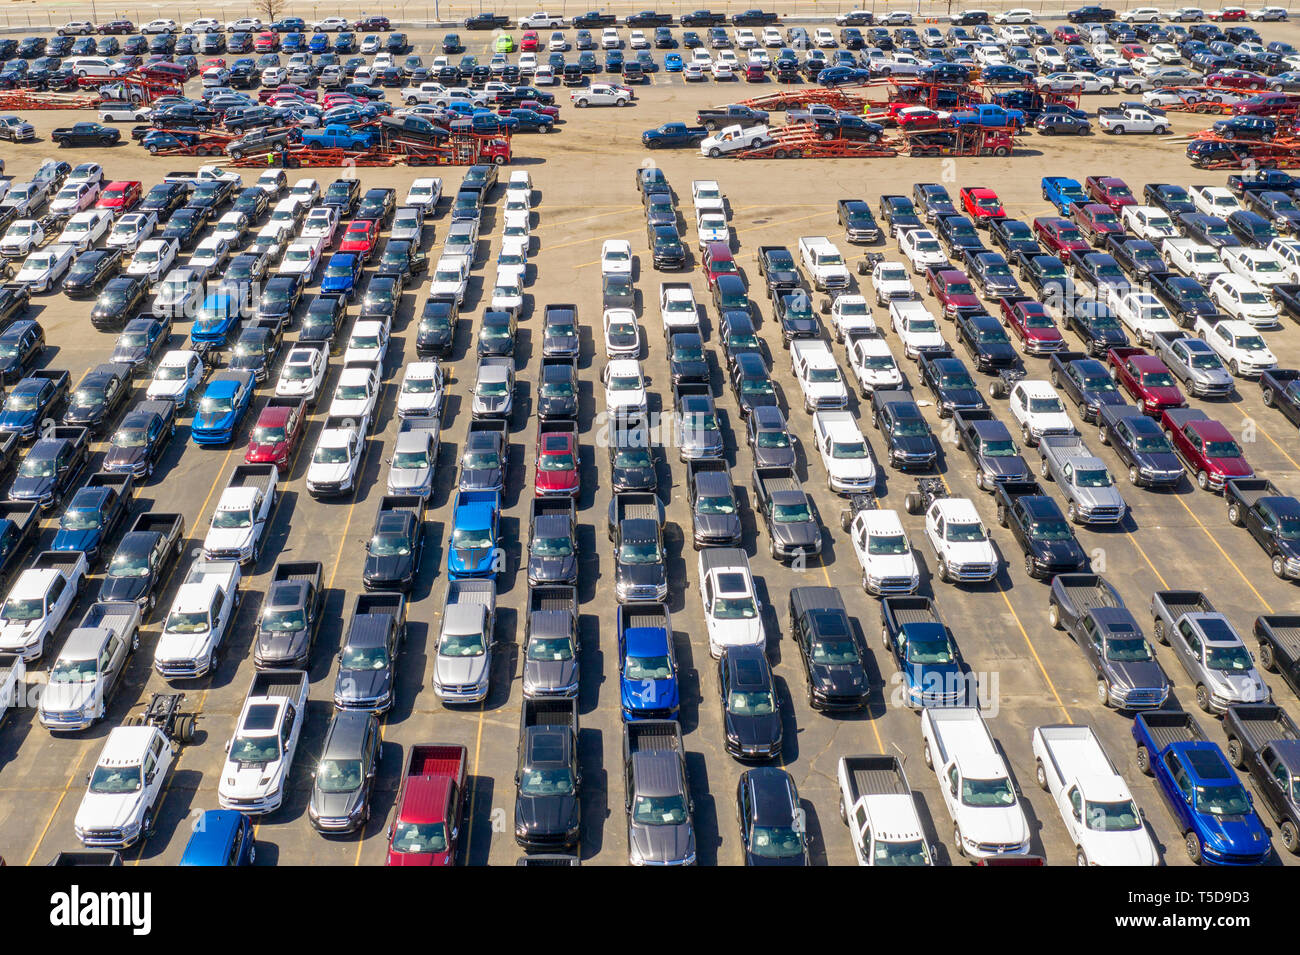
[1290, 837]
[956, 836]
[580, 103]
[1043, 468]
[1267, 658]
[1040, 774]
[1279, 567]
[146, 823]
[1236, 755]
[1081, 858]
[884, 639]
[1029, 567]
[1269, 399]
[1002, 151]
[1192, 843]
[185, 728]
[1234, 515]
[1202, 480]
[1072, 512]
[942, 571]
[1160, 130]
[913, 503]
[714, 152]
[1143, 757]
[925, 755]
[1118, 130]
[1161, 633]
[1203, 698]
[844, 816]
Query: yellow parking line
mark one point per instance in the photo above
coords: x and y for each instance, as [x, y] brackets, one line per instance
[1230, 561]
[469, 822]
[55, 811]
[1159, 576]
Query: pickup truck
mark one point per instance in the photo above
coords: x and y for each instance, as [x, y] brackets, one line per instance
[1205, 447]
[551, 661]
[1271, 517]
[878, 806]
[660, 811]
[552, 541]
[793, 532]
[990, 116]
[925, 652]
[41, 394]
[199, 621]
[548, 781]
[367, 664]
[38, 602]
[818, 375]
[1090, 492]
[462, 669]
[259, 756]
[291, 616]
[731, 139]
[473, 549]
[13, 684]
[144, 558]
[677, 308]
[396, 544]
[1279, 646]
[1209, 649]
[19, 525]
[206, 173]
[1131, 120]
[671, 135]
[844, 453]
[1095, 804]
[635, 526]
[1194, 363]
[884, 554]
[1265, 742]
[51, 466]
[339, 137]
[715, 516]
[725, 580]
[988, 821]
[1040, 529]
[1085, 381]
[1193, 259]
[430, 806]
[989, 445]
[719, 116]
[1090, 610]
[1063, 192]
[1209, 805]
[1146, 379]
[1280, 389]
[823, 263]
[1139, 444]
[776, 266]
[126, 786]
[647, 664]
[238, 527]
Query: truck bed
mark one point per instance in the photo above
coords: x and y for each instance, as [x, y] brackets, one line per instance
[1078, 748]
[7, 663]
[1178, 602]
[905, 610]
[637, 506]
[1166, 727]
[650, 617]
[275, 683]
[288, 571]
[1258, 724]
[1086, 592]
[471, 592]
[1285, 630]
[379, 603]
[874, 776]
[110, 615]
[552, 597]
[549, 712]
[647, 736]
[252, 475]
[777, 480]
[435, 760]
[158, 522]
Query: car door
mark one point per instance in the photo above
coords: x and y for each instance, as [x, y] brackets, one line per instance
[1179, 789]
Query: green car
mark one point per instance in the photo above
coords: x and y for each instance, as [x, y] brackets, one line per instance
[505, 43]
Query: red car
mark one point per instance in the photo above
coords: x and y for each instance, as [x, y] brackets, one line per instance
[1228, 14]
[536, 107]
[1066, 34]
[121, 195]
[1268, 104]
[754, 72]
[1237, 80]
[218, 62]
[1146, 379]
[338, 99]
[1096, 221]
[360, 237]
[953, 290]
[717, 260]
[1059, 236]
[1131, 51]
[1205, 447]
[430, 806]
[529, 43]
[276, 434]
[1032, 324]
[1110, 191]
[266, 42]
[981, 204]
[288, 89]
[557, 465]
[911, 116]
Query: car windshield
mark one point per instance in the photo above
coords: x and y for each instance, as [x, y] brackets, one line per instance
[228, 520]
[899, 853]
[420, 838]
[254, 749]
[1225, 800]
[37, 468]
[386, 545]
[886, 544]
[481, 460]
[210, 406]
[461, 645]
[1050, 405]
[556, 462]
[965, 532]
[1234, 658]
[178, 622]
[625, 383]
[129, 565]
[115, 780]
[921, 325]
[550, 649]
[791, 513]
[833, 651]
[330, 454]
[1158, 379]
[1050, 529]
[929, 648]
[822, 376]
[284, 621]
[1093, 477]
[546, 782]
[1248, 343]
[639, 552]
[339, 775]
[716, 505]
[659, 810]
[75, 671]
[1121, 816]
[471, 538]
[984, 793]
[363, 658]
[77, 519]
[347, 392]
[17, 608]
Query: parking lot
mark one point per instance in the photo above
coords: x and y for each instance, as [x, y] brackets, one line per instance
[583, 178]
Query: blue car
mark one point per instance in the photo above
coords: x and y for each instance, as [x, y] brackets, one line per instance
[527, 120]
[86, 523]
[217, 316]
[345, 42]
[673, 62]
[221, 837]
[842, 76]
[223, 405]
[1063, 192]
[292, 42]
[472, 551]
[342, 274]
[319, 43]
[26, 406]
[647, 666]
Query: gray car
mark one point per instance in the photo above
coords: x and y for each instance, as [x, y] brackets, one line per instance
[697, 433]
[345, 774]
[769, 438]
[715, 517]
[368, 664]
[408, 224]
[1217, 661]
[482, 463]
[410, 469]
[495, 388]
[989, 445]
[551, 654]
[660, 824]
[1195, 364]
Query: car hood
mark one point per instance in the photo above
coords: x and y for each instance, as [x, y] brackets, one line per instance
[633, 479]
[1228, 467]
[543, 676]
[1168, 396]
[556, 405]
[662, 843]
[62, 696]
[30, 488]
[461, 670]
[1246, 687]
[801, 533]
[1133, 848]
[491, 404]
[1000, 825]
[546, 814]
[799, 325]
[280, 646]
[1139, 674]
[214, 422]
[1060, 553]
[334, 805]
[85, 540]
[552, 568]
[222, 538]
[17, 420]
[1005, 468]
[717, 525]
[327, 473]
[650, 694]
[123, 458]
[838, 679]
[182, 646]
[107, 810]
[763, 730]
[363, 684]
[1160, 461]
[389, 569]
[1238, 834]
[16, 636]
[249, 780]
[913, 444]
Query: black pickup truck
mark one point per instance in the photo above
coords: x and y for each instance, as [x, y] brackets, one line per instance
[1038, 526]
[792, 528]
[777, 266]
[1265, 742]
[1085, 381]
[1273, 519]
[1281, 390]
[1279, 646]
[991, 448]
[290, 617]
[1141, 445]
[143, 560]
[718, 116]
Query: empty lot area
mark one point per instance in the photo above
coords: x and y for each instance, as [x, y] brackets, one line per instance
[584, 193]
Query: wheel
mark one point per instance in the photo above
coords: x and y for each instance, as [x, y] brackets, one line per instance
[1043, 469]
[580, 103]
[1002, 151]
[979, 481]
[1072, 512]
[956, 837]
[1203, 698]
[1269, 400]
[1193, 844]
[1236, 755]
[925, 755]
[884, 639]
[1202, 480]
[146, 824]
[1143, 757]
[1002, 516]
[1040, 773]
[1118, 130]
[1134, 476]
[1234, 515]
[942, 571]
[185, 728]
[1029, 566]
[844, 816]
[1081, 858]
[1279, 567]
[1046, 131]
[1161, 634]
[1160, 130]
[913, 503]
[1026, 436]
[1056, 378]
[1266, 657]
[1290, 837]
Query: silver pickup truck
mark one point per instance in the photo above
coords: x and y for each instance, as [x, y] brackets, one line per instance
[1090, 491]
[1193, 363]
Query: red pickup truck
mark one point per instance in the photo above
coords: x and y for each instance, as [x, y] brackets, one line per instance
[1206, 448]
[982, 205]
[1096, 220]
[276, 434]
[288, 89]
[1030, 322]
[1110, 191]
[1059, 236]
[953, 290]
[430, 806]
[1146, 378]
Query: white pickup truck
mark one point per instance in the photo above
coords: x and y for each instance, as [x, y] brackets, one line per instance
[125, 787]
[873, 364]
[844, 451]
[601, 94]
[1141, 312]
[851, 314]
[729, 139]
[38, 602]
[916, 328]
[1132, 120]
[988, 821]
[199, 620]
[877, 805]
[889, 280]
[450, 278]
[205, 173]
[725, 578]
[13, 684]
[1194, 259]
[1094, 801]
[90, 666]
[260, 754]
[881, 545]
[823, 263]
[1039, 411]
[818, 374]
[677, 308]
[238, 528]
[960, 541]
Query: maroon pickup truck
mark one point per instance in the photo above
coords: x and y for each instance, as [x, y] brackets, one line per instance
[1059, 236]
[952, 288]
[430, 806]
[1146, 379]
[1206, 448]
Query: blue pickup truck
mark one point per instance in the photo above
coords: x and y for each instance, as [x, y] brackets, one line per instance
[1208, 802]
[924, 652]
[647, 665]
[95, 513]
[223, 405]
[473, 552]
[990, 115]
[1063, 192]
[342, 274]
[217, 316]
[672, 136]
[339, 136]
